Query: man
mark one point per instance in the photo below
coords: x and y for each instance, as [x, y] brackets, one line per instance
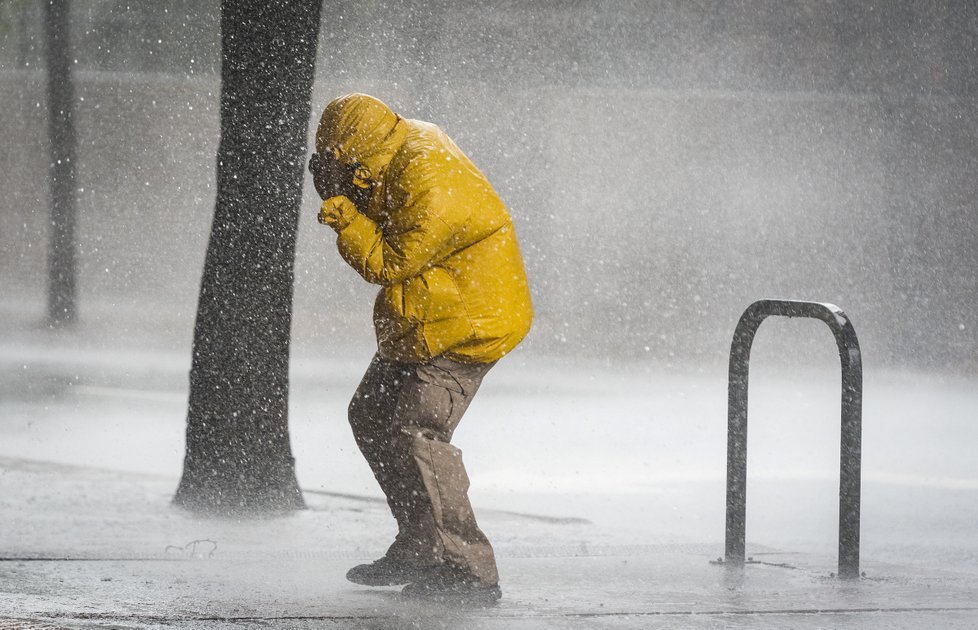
[415, 216]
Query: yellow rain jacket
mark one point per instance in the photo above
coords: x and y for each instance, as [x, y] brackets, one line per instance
[435, 236]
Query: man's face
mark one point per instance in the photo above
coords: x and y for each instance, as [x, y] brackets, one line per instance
[332, 178]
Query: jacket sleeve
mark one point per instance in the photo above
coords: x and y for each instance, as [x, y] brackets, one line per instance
[416, 236]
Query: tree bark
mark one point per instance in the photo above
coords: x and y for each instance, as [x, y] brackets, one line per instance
[61, 131]
[238, 456]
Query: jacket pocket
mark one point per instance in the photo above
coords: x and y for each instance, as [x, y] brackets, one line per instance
[434, 300]
[433, 296]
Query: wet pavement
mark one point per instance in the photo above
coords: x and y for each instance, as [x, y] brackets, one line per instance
[87, 547]
[601, 489]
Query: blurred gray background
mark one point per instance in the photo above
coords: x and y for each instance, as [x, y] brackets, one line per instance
[666, 164]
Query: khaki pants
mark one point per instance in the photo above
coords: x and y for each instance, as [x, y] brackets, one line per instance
[403, 416]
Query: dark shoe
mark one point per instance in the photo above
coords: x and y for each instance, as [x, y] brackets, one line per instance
[449, 587]
[385, 572]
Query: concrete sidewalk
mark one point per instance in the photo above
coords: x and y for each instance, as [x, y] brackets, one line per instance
[83, 547]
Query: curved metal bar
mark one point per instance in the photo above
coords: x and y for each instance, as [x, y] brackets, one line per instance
[851, 444]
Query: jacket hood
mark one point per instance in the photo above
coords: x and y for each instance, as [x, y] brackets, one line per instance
[361, 129]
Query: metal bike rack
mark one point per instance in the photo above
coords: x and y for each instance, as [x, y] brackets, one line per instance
[851, 450]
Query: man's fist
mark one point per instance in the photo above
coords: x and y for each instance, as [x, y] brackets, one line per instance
[337, 212]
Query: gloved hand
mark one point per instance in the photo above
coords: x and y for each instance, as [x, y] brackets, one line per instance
[337, 212]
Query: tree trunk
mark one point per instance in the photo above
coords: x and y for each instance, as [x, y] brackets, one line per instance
[61, 130]
[238, 459]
